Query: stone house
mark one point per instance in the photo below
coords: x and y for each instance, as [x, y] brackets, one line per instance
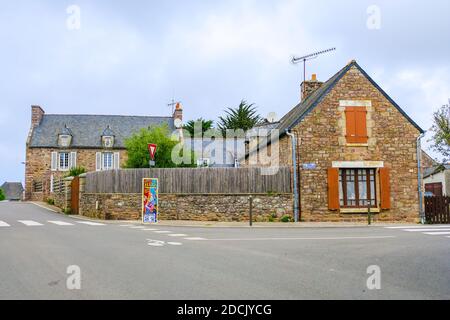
[354, 148]
[56, 143]
[13, 191]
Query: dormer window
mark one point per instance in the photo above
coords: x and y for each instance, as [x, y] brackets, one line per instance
[108, 138]
[65, 137]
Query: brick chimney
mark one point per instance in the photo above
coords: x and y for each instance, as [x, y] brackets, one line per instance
[178, 113]
[36, 115]
[308, 87]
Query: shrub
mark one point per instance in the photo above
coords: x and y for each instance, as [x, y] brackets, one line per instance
[51, 202]
[286, 219]
[75, 172]
[2, 195]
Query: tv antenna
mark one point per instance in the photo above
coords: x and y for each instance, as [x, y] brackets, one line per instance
[172, 104]
[296, 60]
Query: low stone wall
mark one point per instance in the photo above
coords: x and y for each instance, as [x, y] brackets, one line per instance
[198, 207]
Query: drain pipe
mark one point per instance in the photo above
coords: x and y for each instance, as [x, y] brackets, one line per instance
[419, 167]
[294, 163]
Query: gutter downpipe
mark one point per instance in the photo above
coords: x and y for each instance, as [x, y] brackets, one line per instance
[294, 163]
[420, 179]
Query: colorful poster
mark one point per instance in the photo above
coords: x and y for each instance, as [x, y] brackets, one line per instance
[150, 201]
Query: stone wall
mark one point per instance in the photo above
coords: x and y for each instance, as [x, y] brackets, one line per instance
[199, 207]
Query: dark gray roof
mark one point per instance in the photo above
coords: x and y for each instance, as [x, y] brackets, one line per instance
[13, 190]
[296, 115]
[435, 170]
[87, 129]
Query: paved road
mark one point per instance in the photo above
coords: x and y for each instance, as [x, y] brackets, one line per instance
[135, 262]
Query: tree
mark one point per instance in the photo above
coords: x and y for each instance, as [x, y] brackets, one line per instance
[441, 131]
[75, 172]
[192, 125]
[2, 195]
[244, 117]
[139, 156]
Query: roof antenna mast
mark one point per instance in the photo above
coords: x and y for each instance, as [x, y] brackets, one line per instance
[296, 60]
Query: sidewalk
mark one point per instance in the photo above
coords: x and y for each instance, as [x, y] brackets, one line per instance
[213, 224]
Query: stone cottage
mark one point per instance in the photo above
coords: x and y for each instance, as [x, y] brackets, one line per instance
[355, 148]
[56, 143]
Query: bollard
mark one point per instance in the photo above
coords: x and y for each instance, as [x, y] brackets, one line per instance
[250, 199]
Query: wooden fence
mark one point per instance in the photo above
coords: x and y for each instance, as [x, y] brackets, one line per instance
[437, 210]
[192, 181]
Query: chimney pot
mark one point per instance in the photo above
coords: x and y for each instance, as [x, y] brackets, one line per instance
[309, 87]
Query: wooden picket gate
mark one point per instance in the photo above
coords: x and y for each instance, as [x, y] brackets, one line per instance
[437, 210]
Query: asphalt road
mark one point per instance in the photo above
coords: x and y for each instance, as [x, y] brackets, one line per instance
[154, 262]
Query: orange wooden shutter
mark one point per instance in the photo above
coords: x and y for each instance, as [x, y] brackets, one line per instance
[356, 125]
[351, 125]
[333, 189]
[385, 184]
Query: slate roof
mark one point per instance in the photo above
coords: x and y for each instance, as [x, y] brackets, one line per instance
[435, 170]
[13, 190]
[87, 130]
[296, 115]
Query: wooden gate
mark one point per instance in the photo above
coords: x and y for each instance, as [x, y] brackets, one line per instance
[437, 210]
[75, 195]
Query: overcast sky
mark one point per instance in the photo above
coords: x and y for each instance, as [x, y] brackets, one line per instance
[133, 57]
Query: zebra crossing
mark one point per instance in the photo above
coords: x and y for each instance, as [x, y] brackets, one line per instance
[425, 230]
[32, 223]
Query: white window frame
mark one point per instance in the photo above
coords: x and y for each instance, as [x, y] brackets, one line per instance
[107, 165]
[64, 168]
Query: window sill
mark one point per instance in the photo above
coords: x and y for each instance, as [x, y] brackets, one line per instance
[362, 145]
[360, 210]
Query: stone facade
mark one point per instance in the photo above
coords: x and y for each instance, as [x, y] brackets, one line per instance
[38, 168]
[392, 141]
[199, 207]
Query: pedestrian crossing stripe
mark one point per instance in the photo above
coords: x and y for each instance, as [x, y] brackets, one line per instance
[91, 223]
[437, 233]
[61, 223]
[30, 223]
[4, 224]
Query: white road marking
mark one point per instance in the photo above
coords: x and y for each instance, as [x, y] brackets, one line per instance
[177, 235]
[175, 243]
[437, 233]
[195, 239]
[137, 227]
[425, 230]
[149, 229]
[61, 223]
[4, 224]
[30, 223]
[90, 223]
[159, 231]
[417, 227]
[155, 243]
[290, 239]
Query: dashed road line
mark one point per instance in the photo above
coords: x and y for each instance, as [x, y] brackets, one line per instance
[175, 243]
[177, 235]
[162, 231]
[195, 239]
[437, 233]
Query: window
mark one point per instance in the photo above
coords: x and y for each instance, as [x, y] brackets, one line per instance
[356, 125]
[203, 162]
[63, 161]
[357, 188]
[107, 161]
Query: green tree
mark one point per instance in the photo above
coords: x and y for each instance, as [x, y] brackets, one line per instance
[244, 117]
[2, 195]
[441, 131]
[192, 125]
[139, 156]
